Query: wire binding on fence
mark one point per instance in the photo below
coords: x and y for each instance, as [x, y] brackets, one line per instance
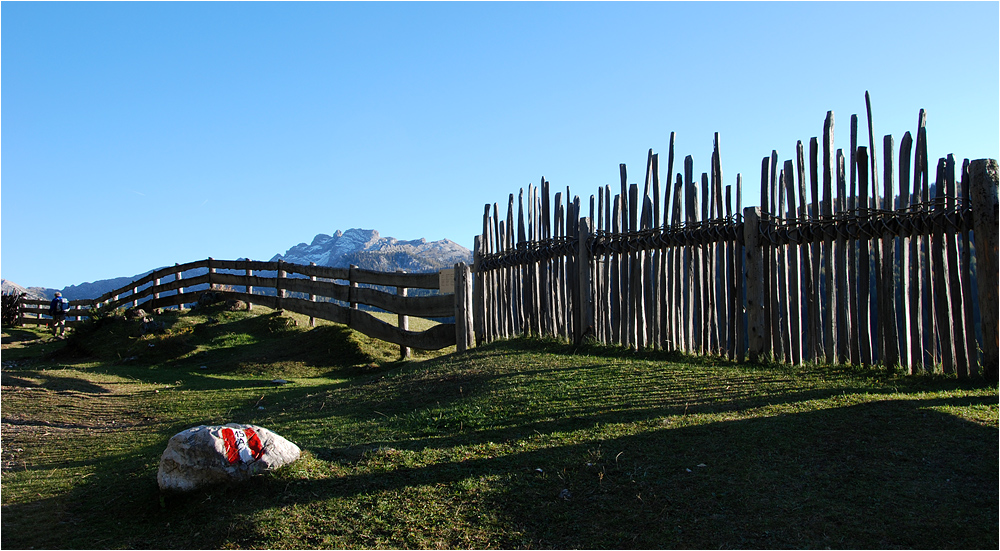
[859, 223]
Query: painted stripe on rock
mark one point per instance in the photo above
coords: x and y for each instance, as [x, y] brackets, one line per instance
[242, 445]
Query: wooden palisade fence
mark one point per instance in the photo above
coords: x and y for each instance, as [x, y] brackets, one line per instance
[839, 263]
[308, 290]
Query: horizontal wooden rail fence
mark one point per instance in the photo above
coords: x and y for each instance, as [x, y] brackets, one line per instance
[308, 290]
[900, 273]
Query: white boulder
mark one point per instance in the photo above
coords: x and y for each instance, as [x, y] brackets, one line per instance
[206, 455]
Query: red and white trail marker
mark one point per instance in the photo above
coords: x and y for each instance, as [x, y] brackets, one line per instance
[205, 455]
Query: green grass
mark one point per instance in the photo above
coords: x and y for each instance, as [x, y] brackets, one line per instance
[522, 444]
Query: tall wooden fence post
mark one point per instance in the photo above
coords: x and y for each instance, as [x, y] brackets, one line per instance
[312, 298]
[403, 321]
[756, 315]
[583, 311]
[460, 305]
[249, 288]
[211, 272]
[464, 318]
[478, 304]
[180, 290]
[279, 291]
[468, 315]
[985, 216]
[353, 287]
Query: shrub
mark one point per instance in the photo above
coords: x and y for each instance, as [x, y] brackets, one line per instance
[12, 304]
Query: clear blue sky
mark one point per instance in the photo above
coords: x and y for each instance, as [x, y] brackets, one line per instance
[137, 135]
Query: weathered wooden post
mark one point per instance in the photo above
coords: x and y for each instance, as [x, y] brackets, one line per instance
[180, 290]
[478, 304]
[907, 329]
[464, 322]
[986, 216]
[955, 279]
[941, 271]
[461, 329]
[312, 298]
[756, 315]
[794, 273]
[279, 284]
[469, 313]
[887, 293]
[829, 246]
[403, 321]
[583, 311]
[211, 273]
[739, 291]
[865, 354]
[354, 286]
[249, 287]
[771, 267]
[971, 346]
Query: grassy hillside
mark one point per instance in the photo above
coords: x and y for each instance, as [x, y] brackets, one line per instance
[524, 444]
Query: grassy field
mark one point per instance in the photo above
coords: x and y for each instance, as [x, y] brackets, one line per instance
[522, 444]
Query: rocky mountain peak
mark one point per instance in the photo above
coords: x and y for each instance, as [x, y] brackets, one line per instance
[369, 250]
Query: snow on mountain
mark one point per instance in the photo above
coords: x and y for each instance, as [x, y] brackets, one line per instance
[368, 250]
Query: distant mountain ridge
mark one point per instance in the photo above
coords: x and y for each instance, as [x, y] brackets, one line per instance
[363, 248]
[83, 291]
[367, 249]
[30, 292]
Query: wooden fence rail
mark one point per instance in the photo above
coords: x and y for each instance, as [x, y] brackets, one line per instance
[833, 266]
[308, 290]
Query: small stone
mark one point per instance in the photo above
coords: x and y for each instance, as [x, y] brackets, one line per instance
[149, 325]
[135, 314]
[565, 494]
